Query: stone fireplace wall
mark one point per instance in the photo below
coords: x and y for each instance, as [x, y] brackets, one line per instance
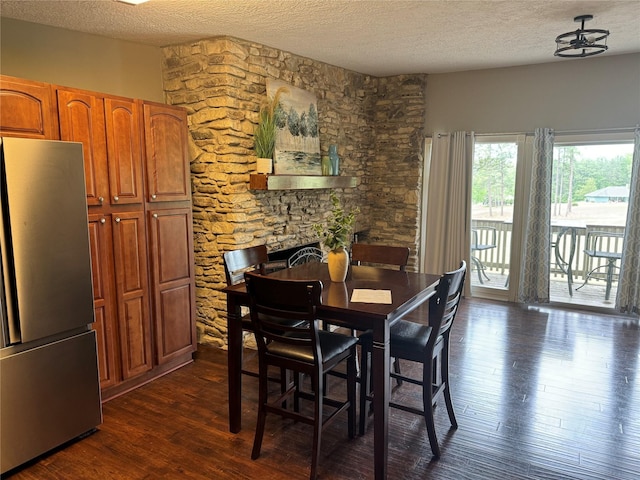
[378, 125]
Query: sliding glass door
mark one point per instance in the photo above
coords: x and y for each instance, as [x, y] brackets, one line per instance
[590, 197]
[496, 162]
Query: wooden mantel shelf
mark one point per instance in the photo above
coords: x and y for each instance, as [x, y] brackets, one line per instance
[299, 182]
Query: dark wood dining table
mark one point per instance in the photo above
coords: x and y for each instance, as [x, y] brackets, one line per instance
[408, 291]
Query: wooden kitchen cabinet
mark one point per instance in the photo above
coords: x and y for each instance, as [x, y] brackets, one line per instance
[109, 129]
[132, 292]
[124, 150]
[166, 159]
[137, 176]
[82, 119]
[172, 273]
[168, 193]
[27, 109]
[101, 244]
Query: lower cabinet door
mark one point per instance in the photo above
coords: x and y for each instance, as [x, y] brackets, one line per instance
[101, 244]
[173, 286]
[132, 292]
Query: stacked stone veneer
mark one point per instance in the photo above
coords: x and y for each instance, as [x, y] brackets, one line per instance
[377, 123]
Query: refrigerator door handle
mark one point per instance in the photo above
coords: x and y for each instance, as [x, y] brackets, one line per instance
[10, 319]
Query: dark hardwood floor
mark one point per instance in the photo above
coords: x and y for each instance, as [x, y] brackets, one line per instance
[539, 394]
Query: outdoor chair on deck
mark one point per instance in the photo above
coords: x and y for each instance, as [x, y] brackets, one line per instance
[425, 343]
[303, 349]
[603, 247]
[482, 239]
[564, 249]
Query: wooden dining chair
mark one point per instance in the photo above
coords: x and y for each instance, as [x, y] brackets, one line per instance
[303, 349]
[236, 264]
[383, 255]
[427, 344]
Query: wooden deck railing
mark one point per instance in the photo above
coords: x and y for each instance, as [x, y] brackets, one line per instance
[497, 259]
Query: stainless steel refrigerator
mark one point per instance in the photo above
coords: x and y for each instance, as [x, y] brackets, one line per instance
[49, 384]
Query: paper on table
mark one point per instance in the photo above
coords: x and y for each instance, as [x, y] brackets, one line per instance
[367, 295]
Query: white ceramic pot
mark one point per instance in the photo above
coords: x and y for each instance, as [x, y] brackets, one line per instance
[338, 261]
[264, 165]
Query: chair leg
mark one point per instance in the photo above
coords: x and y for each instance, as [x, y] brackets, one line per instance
[297, 381]
[355, 334]
[317, 426]
[365, 388]
[262, 411]
[396, 368]
[479, 268]
[427, 404]
[444, 363]
[351, 392]
[284, 383]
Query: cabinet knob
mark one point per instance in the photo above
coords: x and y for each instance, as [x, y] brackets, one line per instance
[117, 219]
[101, 199]
[103, 221]
[116, 198]
[153, 197]
[155, 215]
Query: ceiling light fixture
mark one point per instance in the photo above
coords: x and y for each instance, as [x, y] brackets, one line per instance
[581, 43]
[132, 2]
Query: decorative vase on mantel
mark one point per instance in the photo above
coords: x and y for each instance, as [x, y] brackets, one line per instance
[338, 261]
[334, 159]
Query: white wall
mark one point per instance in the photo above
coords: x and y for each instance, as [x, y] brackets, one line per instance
[574, 94]
[73, 59]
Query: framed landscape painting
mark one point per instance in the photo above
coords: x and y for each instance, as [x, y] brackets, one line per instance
[297, 142]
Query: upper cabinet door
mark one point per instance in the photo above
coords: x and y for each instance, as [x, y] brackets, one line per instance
[124, 150]
[27, 109]
[81, 117]
[167, 161]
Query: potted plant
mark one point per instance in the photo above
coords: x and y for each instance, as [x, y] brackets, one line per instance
[264, 135]
[336, 236]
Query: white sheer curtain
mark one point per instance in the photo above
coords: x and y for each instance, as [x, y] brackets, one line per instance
[534, 281]
[628, 298]
[447, 235]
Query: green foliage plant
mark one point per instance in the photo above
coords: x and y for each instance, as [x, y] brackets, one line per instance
[264, 135]
[336, 233]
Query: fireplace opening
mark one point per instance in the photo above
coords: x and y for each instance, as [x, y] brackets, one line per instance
[279, 258]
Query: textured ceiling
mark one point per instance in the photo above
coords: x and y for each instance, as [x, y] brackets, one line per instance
[378, 37]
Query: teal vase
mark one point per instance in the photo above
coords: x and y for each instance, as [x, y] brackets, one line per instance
[335, 160]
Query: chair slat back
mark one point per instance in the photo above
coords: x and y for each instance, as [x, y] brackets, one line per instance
[444, 304]
[598, 241]
[379, 255]
[273, 300]
[483, 238]
[237, 262]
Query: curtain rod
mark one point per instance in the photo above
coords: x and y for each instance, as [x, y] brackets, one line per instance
[468, 134]
[602, 130]
[557, 132]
